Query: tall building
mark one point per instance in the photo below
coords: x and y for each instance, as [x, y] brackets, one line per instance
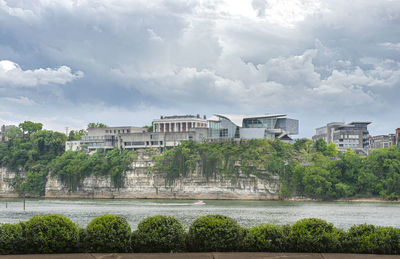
[267, 126]
[354, 135]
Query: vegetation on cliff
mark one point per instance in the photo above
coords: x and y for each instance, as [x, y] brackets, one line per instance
[37, 152]
[314, 170]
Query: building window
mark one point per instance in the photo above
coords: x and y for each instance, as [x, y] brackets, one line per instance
[223, 133]
[128, 131]
[154, 143]
[138, 143]
[161, 143]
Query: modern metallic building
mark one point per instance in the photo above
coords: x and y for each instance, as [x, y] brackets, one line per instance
[354, 135]
[267, 126]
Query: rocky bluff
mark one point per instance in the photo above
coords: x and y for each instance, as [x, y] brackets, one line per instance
[144, 183]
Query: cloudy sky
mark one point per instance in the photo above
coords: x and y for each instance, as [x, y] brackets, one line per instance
[67, 63]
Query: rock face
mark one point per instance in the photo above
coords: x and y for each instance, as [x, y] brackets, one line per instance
[6, 178]
[142, 182]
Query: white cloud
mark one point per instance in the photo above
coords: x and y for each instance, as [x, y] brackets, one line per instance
[12, 74]
[21, 100]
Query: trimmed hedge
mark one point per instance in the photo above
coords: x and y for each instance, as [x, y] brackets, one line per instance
[315, 236]
[51, 234]
[214, 233]
[108, 233]
[159, 234]
[266, 238]
[372, 239]
[11, 238]
[111, 233]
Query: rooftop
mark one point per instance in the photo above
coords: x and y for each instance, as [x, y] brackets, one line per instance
[237, 119]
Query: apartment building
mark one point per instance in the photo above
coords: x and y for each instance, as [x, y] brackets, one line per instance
[353, 135]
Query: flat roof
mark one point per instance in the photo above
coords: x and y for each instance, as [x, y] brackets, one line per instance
[237, 119]
[360, 122]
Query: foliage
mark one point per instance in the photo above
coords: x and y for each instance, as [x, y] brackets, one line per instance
[108, 233]
[159, 234]
[29, 127]
[93, 125]
[51, 234]
[266, 238]
[149, 128]
[372, 239]
[215, 233]
[11, 238]
[111, 233]
[73, 166]
[315, 236]
[76, 134]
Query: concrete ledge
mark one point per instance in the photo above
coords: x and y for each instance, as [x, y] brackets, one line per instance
[201, 256]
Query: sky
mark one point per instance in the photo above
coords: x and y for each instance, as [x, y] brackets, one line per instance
[119, 62]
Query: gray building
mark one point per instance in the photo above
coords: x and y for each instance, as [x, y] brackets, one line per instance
[3, 131]
[354, 135]
[382, 141]
[267, 126]
[133, 138]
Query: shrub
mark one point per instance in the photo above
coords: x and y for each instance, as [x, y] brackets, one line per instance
[314, 235]
[11, 238]
[82, 246]
[371, 239]
[108, 233]
[266, 238]
[51, 234]
[159, 234]
[214, 233]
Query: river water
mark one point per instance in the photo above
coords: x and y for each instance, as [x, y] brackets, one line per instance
[247, 213]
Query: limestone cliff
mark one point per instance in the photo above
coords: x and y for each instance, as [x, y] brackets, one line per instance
[142, 182]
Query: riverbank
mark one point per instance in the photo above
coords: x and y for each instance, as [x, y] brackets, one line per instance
[73, 196]
[201, 256]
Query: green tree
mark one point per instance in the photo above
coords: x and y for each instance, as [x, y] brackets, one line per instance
[320, 145]
[76, 134]
[331, 150]
[92, 125]
[29, 127]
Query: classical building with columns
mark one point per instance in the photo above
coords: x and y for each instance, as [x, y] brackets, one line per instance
[179, 123]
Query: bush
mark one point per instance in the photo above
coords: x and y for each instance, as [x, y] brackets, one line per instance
[371, 239]
[11, 238]
[214, 233]
[107, 234]
[314, 235]
[159, 234]
[51, 234]
[266, 238]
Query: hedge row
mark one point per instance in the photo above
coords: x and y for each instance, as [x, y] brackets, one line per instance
[111, 233]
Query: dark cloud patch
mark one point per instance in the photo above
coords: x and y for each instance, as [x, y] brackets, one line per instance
[317, 61]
